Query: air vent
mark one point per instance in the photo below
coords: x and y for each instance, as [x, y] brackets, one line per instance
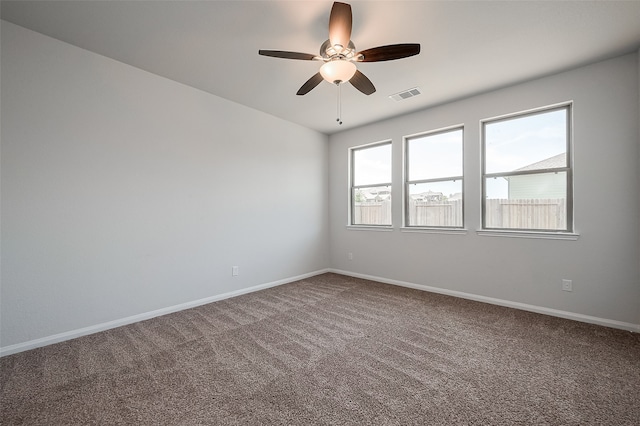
[406, 94]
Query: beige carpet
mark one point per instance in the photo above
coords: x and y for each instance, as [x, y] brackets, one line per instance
[332, 350]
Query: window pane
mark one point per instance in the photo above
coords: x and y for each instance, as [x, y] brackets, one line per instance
[372, 166]
[435, 204]
[536, 201]
[435, 156]
[532, 142]
[372, 205]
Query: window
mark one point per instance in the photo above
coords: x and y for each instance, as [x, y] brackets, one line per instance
[433, 186]
[527, 171]
[371, 185]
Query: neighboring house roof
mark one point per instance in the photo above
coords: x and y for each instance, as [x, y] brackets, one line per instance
[556, 161]
[375, 194]
[427, 195]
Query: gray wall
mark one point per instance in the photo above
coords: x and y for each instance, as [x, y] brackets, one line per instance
[124, 192]
[603, 262]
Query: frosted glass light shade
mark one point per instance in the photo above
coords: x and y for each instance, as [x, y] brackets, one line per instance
[338, 70]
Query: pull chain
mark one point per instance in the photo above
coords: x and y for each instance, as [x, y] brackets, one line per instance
[339, 107]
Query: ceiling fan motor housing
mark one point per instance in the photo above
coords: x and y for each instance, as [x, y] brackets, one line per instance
[330, 52]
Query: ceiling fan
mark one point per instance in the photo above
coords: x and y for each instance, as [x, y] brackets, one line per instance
[339, 54]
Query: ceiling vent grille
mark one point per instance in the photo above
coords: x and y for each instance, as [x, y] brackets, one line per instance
[406, 94]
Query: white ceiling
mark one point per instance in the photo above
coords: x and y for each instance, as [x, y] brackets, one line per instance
[467, 47]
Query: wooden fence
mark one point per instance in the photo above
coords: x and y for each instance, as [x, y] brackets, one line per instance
[526, 214]
[372, 213]
[500, 213]
[443, 213]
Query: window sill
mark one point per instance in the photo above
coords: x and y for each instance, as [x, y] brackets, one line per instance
[529, 234]
[380, 228]
[418, 230]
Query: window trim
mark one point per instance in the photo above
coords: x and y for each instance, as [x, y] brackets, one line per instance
[568, 168]
[353, 187]
[541, 235]
[406, 227]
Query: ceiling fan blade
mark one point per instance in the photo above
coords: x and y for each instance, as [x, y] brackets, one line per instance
[287, 55]
[362, 83]
[310, 84]
[340, 24]
[388, 53]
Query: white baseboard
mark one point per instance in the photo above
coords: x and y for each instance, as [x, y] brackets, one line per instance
[517, 305]
[68, 335]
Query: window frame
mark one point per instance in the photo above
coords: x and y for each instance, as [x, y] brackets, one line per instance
[353, 187]
[568, 169]
[408, 183]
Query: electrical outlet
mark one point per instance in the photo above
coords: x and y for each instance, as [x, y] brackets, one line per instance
[567, 285]
[235, 271]
[350, 256]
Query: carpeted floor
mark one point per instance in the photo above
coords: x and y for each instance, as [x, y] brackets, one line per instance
[332, 350]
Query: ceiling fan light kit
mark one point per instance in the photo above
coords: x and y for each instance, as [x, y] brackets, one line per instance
[338, 71]
[340, 56]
